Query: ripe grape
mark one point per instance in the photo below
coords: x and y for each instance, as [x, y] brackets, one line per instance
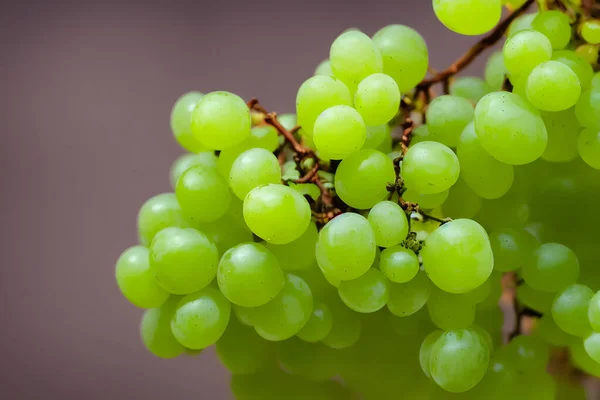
[181, 121]
[367, 293]
[186, 161]
[319, 324]
[555, 26]
[264, 137]
[389, 223]
[203, 194]
[553, 86]
[425, 350]
[587, 108]
[495, 71]
[241, 350]
[451, 311]
[254, 167]
[471, 88]
[577, 63]
[339, 131]
[521, 23]
[299, 254]
[554, 267]
[594, 312]
[157, 213]
[592, 346]
[377, 99]
[562, 128]
[353, 56]
[512, 248]
[155, 330]
[430, 167]
[408, 298]
[570, 310]
[399, 264]
[447, 116]
[524, 51]
[468, 17]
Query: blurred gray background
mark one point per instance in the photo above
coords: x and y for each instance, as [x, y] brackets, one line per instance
[85, 101]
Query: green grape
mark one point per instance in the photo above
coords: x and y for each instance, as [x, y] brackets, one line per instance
[551, 333]
[447, 116]
[367, 293]
[136, 280]
[324, 68]
[525, 50]
[249, 275]
[528, 353]
[495, 71]
[203, 194]
[430, 167]
[537, 384]
[426, 201]
[353, 56]
[181, 119]
[201, 318]
[404, 54]
[554, 267]
[287, 313]
[521, 23]
[486, 176]
[590, 32]
[509, 128]
[587, 108]
[562, 128]
[263, 137]
[155, 330]
[471, 88]
[389, 223]
[457, 256]
[221, 120]
[307, 360]
[535, 299]
[588, 146]
[553, 86]
[420, 134]
[581, 359]
[183, 260]
[253, 168]
[399, 264]
[241, 350]
[157, 213]
[377, 99]
[408, 298]
[592, 346]
[299, 254]
[277, 213]
[594, 312]
[226, 233]
[555, 25]
[425, 350]
[459, 360]
[512, 248]
[346, 247]
[339, 131]
[376, 136]
[462, 201]
[589, 52]
[468, 17]
[186, 161]
[451, 311]
[570, 310]
[319, 325]
[577, 63]
[361, 179]
[316, 95]
[346, 328]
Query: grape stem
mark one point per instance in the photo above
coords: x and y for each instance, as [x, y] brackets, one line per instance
[408, 125]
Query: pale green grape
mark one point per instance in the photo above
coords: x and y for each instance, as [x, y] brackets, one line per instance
[555, 25]
[254, 167]
[495, 71]
[425, 350]
[389, 223]
[319, 324]
[377, 99]
[525, 50]
[264, 137]
[157, 213]
[181, 120]
[221, 120]
[287, 313]
[562, 128]
[241, 350]
[485, 335]
[554, 267]
[404, 54]
[426, 201]
[361, 179]
[203, 194]
[353, 56]
[462, 201]
[183, 260]
[386, 145]
[299, 254]
[551, 333]
[420, 134]
[553, 86]
[324, 68]
[277, 213]
[249, 275]
[588, 146]
[399, 264]
[447, 116]
[186, 161]
[493, 288]
[528, 353]
[367, 293]
[226, 232]
[457, 256]
[590, 32]
[346, 328]
[346, 247]
[468, 17]
[459, 360]
[376, 136]
[408, 298]
[577, 63]
[512, 248]
[509, 128]
[488, 177]
[339, 131]
[587, 108]
[471, 88]
[570, 310]
[521, 23]
[589, 52]
[155, 330]
[430, 167]
[451, 311]
[535, 299]
[136, 280]
[594, 312]
[592, 346]
[201, 318]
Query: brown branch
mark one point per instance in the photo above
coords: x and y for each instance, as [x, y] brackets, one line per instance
[309, 175]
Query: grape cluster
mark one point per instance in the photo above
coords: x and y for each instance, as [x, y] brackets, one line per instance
[361, 246]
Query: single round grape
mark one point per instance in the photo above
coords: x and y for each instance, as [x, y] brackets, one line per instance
[535, 299]
[183, 260]
[339, 131]
[458, 256]
[249, 275]
[346, 247]
[136, 280]
[181, 121]
[471, 88]
[553, 86]
[462, 201]
[447, 116]
[570, 310]
[399, 264]
[589, 52]
[468, 17]
[525, 50]
[241, 350]
[203, 194]
[201, 318]
[186, 161]
[299, 254]
[521, 23]
[592, 346]
[512, 248]
[430, 167]
[594, 312]
[577, 63]
[408, 298]
[361, 179]
[590, 32]
[495, 71]
[377, 99]
[562, 128]
[554, 267]
[286, 314]
[253, 168]
[157, 213]
[451, 311]
[353, 56]
[588, 146]
[263, 137]
[155, 330]
[277, 213]
[555, 25]
[226, 233]
[426, 201]
[367, 293]
[319, 325]
[221, 120]
[346, 328]
[425, 350]
[459, 360]
[587, 108]
[376, 136]
[324, 68]
[528, 353]
[389, 223]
